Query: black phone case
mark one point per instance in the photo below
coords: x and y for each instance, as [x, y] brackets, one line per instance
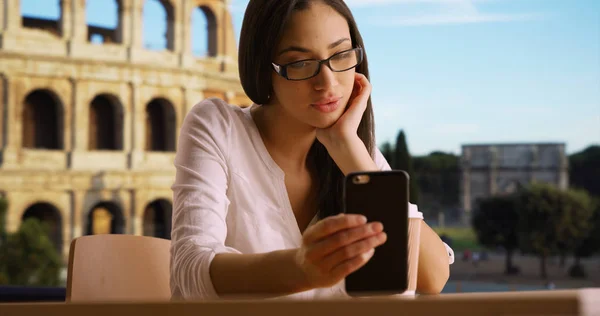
[383, 198]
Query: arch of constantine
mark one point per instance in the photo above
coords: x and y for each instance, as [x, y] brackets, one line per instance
[88, 129]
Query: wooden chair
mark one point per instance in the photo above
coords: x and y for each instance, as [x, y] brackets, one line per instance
[118, 268]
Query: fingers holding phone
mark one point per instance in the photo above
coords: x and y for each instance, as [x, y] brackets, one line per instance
[336, 247]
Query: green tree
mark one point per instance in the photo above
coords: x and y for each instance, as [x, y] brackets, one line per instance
[438, 181]
[3, 210]
[584, 170]
[589, 246]
[551, 218]
[28, 257]
[495, 222]
[403, 161]
[388, 152]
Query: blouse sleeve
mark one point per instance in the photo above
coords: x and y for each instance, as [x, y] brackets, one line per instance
[200, 202]
[380, 161]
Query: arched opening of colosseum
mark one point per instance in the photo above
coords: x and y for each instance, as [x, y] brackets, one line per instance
[105, 218]
[42, 15]
[159, 21]
[104, 24]
[157, 219]
[42, 121]
[50, 217]
[160, 125]
[105, 123]
[204, 32]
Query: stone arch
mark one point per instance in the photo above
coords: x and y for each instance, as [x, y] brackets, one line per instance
[104, 28]
[157, 218]
[160, 125]
[105, 123]
[50, 217]
[45, 17]
[42, 123]
[158, 18]
[105, 217]
[204, 27]
[506, 186]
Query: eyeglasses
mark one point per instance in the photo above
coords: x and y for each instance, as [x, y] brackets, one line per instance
[308, 68]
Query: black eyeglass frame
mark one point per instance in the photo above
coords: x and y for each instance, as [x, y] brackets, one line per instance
[282, 69]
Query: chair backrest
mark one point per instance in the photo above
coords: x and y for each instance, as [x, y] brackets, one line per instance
[118, 268]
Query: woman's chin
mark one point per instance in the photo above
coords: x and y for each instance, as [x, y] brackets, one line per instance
[325, 121]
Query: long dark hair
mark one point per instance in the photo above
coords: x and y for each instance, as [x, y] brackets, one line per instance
[262, 29]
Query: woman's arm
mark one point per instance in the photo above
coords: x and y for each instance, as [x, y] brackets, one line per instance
[202, 266]
[200, 201]
[330, 250]
[260, 275]
[351, 156]
[434, 267]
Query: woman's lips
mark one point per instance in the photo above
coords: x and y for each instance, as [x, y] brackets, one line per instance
[327, 107]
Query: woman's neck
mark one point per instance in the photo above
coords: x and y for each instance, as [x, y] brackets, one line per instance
[287, 140]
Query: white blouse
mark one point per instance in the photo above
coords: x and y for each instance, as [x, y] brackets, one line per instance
[229, 196]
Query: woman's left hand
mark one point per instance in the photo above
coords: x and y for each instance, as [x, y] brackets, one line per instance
[346, 126]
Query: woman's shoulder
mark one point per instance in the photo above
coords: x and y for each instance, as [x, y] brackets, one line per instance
[213, 108]
[214, 114]
[208, 126]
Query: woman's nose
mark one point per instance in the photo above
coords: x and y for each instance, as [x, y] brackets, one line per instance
[325, 79]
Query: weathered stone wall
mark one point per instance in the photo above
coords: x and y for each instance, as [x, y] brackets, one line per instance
[74, 179]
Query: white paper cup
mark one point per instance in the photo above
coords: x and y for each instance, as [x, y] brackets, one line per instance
[415, 218]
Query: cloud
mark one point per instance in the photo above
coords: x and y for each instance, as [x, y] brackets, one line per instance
[445, 19]
[373, 3]
[441, 12]
[444, 12]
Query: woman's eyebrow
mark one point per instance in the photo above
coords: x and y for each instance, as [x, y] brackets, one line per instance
[305, 50]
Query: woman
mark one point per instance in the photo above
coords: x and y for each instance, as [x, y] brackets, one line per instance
[257, 194]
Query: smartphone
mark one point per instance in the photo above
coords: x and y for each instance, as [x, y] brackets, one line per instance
[381, 196]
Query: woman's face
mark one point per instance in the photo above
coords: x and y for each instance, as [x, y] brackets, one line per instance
[314, 33]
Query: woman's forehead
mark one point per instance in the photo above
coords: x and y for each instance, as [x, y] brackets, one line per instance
[316, 27]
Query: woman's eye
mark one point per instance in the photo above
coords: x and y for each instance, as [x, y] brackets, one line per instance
[297, 65]
[342, 55]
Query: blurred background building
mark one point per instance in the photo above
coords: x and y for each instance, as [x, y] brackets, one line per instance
[497, 169]
[89, 117]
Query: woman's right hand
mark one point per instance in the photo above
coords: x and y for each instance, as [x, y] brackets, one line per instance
[337, 246]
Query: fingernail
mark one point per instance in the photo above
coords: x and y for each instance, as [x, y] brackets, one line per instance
[362, 219]
[384, 236]
[367, 255]
[378, 225]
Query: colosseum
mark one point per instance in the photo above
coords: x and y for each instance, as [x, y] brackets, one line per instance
[89, 117]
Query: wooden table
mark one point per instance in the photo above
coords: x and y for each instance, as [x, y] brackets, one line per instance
[558, 302]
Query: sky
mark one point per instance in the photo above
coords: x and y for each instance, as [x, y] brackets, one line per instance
[454, 72]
